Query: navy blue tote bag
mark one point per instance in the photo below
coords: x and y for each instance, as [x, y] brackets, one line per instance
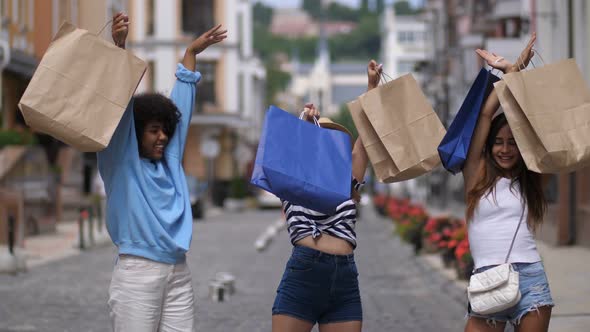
[302, 163]
[454, 146]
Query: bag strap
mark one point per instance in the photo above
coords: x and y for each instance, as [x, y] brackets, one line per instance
[314, 119]
[106, 24]
[514, 237]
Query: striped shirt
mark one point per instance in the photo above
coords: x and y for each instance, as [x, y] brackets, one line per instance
[303, 222]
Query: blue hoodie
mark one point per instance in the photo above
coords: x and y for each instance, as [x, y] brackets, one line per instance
[148, 208]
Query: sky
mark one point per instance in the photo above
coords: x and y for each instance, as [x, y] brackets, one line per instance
[296, 3]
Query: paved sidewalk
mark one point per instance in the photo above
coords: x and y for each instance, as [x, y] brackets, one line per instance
[568, 272]
[64, 242]
[47, 248]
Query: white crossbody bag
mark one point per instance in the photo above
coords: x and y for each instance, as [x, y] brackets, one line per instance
[495, 289]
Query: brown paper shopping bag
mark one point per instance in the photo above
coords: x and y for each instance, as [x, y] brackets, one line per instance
[548, 109]
[406, 126]
[81, 89]
[383, 165]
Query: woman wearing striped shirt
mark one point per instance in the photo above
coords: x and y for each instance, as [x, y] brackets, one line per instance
[320, 283]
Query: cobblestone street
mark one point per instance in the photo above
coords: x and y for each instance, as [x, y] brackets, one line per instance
[399, 293]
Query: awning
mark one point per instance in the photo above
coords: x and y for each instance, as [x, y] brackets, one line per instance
[21, 64]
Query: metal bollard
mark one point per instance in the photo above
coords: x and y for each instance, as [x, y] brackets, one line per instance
[81, 228]
[99, 215]
[216, 291]
[90, 227]
[228, 282]
[11, 234]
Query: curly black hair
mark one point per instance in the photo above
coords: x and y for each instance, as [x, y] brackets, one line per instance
[149, 107]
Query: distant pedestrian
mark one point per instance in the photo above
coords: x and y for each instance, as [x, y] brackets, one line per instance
[148, 208]
[501, 195]
[320, 282]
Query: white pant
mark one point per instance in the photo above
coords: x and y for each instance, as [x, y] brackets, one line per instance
[150, 296]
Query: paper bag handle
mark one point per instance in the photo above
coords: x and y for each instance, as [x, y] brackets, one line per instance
[532, 62]
[105, 25]
[314, 119]
[540, 57]
[385, 78]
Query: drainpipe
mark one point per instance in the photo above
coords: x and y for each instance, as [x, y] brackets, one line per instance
[572, 176]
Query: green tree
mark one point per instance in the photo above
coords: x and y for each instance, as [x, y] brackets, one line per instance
[276, 81]
[404, 8]
[362, 43]
[262, 14]
[344, 118]
[339, 12]
[380, 6]
[312, 7]
[364, 6]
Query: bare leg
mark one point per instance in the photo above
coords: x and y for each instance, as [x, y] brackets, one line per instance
[475, 324]
[535, 321]
[284, 323]
[353, 326]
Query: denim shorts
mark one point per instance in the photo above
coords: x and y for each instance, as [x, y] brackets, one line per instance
[534, 290]
[319, 288]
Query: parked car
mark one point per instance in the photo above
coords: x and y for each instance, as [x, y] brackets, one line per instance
[267, 200]
[198, 193]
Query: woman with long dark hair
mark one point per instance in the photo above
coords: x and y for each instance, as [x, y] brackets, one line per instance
[501, 194]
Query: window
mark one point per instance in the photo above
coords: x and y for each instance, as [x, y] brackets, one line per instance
[197, 16]
[241, 28]
[206, 93]
[149, 12]
[404, 67]
[406, 37]
[241, 101]
[552, 189]
[15, 11]
[22, 12]
[64, 11]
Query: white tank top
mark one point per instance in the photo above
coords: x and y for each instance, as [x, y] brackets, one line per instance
[493, 225]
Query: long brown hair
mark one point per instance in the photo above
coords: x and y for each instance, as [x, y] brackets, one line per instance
[531, 186]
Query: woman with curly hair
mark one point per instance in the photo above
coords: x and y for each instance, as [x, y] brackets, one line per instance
[148, 209]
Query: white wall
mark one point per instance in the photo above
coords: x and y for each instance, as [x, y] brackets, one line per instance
[395, 52]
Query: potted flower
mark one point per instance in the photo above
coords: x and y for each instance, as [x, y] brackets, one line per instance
[432, 233]
[410, 228]
[379, 201]
[464, 259]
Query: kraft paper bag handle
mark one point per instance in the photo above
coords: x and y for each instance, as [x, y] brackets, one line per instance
[65, 29]
[105, 25]
[532, 62]
[540, 57]
[385, 78]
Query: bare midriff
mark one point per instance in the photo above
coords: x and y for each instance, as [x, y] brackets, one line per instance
[328, 244]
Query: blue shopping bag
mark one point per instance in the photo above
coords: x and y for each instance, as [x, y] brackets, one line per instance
[302, 163]
[454, 146]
